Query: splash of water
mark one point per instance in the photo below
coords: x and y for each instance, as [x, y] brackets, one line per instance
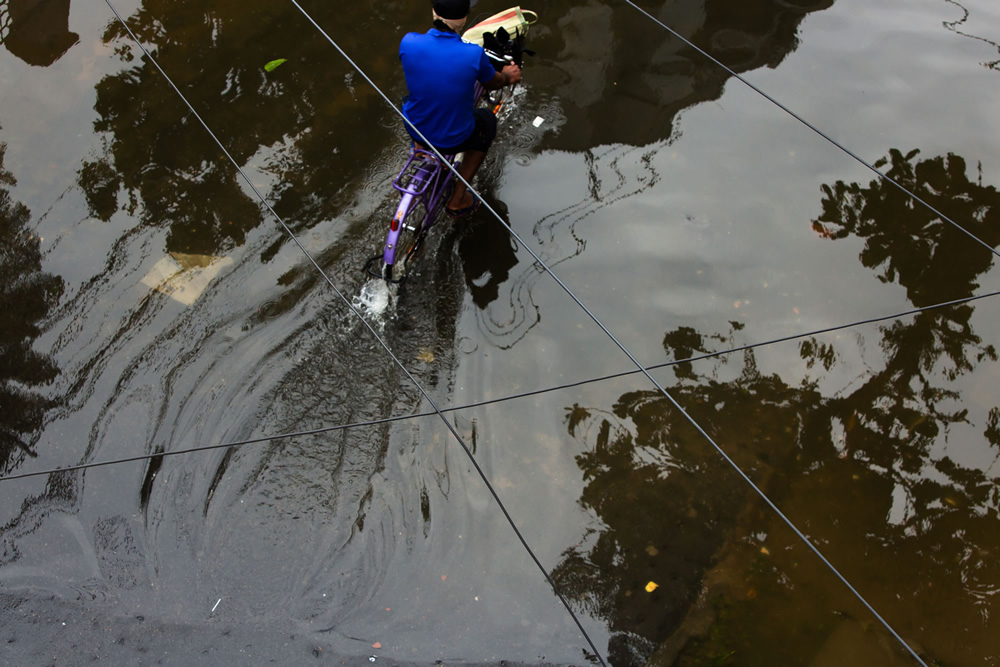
[374, 299]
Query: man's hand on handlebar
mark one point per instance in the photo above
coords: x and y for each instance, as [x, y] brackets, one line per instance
[508, 76]
[513, 74]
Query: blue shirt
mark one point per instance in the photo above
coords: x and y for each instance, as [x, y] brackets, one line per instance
[441, 72]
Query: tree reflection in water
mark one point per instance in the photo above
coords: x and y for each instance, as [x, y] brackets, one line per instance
[289, 125]
[26, 295]
[36, 31]
[863, 469]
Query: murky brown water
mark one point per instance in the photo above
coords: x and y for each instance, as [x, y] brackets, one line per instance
[153, 305]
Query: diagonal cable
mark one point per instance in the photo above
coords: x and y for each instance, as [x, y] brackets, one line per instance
[759, 91]
[626, 352]
[371, 329]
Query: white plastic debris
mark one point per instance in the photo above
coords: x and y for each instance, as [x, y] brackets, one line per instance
[538, 121]
[184, 277]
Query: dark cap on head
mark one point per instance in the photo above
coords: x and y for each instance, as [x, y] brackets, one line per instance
[451, 9]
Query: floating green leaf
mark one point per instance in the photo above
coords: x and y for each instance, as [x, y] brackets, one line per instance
[274, 64]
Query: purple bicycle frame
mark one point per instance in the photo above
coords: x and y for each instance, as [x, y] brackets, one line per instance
[422, 179]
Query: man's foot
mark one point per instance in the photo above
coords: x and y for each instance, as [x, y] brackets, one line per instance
[467, 205]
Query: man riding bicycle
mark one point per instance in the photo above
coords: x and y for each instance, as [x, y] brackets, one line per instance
[441, 73]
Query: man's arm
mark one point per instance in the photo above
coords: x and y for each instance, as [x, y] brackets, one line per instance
[510, 74]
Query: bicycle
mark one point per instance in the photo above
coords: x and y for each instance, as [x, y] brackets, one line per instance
[425, 182]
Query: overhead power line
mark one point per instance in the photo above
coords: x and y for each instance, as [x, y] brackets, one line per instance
[814, 128]
[623, 349]
[374, 333]
[501, 399]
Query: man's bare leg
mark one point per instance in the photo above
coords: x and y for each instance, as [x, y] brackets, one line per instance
[461, 197]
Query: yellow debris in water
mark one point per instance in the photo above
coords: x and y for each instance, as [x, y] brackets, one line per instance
[651, 586]
[425, 356]
[764, 551]
[652, 551]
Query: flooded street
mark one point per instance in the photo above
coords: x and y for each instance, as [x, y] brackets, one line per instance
[277, 489]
